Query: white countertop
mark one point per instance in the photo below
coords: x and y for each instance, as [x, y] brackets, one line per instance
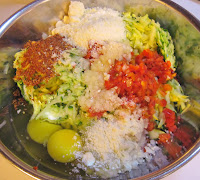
[8, 172]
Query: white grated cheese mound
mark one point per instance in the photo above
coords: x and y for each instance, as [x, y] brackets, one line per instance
[111, 51]
[100, 101]
[117, 144]
[88, 159]
[84, 25]
[76, 8]
[96, 96]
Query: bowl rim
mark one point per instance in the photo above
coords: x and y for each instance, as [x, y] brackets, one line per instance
[16, 162]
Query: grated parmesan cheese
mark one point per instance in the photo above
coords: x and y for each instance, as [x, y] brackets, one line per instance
[76, 8]
[116, 144]
[97, 97]
[84, 25]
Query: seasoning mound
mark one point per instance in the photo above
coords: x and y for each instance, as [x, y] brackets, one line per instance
[38, 60]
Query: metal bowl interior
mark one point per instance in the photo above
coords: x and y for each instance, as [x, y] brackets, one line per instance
[35, 19]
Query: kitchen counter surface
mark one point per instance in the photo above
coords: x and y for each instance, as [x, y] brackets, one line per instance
[9, 172]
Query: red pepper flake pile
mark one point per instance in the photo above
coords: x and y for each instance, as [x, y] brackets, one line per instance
[38, 60]
[140, 81]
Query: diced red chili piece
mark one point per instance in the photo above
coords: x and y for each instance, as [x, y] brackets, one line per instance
[35, 168]
[151, 125]
[93, 113]
[170, 119]
[94, 51]
[163, 138]
[167, 87]
[163, 102]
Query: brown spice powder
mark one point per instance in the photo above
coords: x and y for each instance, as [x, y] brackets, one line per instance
[39, 58]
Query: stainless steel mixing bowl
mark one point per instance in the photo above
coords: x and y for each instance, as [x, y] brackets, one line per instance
[30, 22]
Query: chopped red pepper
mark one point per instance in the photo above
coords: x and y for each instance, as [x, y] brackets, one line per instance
[94, 51]
[156, 64]
[35, 168]
[151, 125]
[97, 114]
[140, 82]
[163, 102]
[170, 119]
[179, 119]
[167, 87]
[163, 138]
